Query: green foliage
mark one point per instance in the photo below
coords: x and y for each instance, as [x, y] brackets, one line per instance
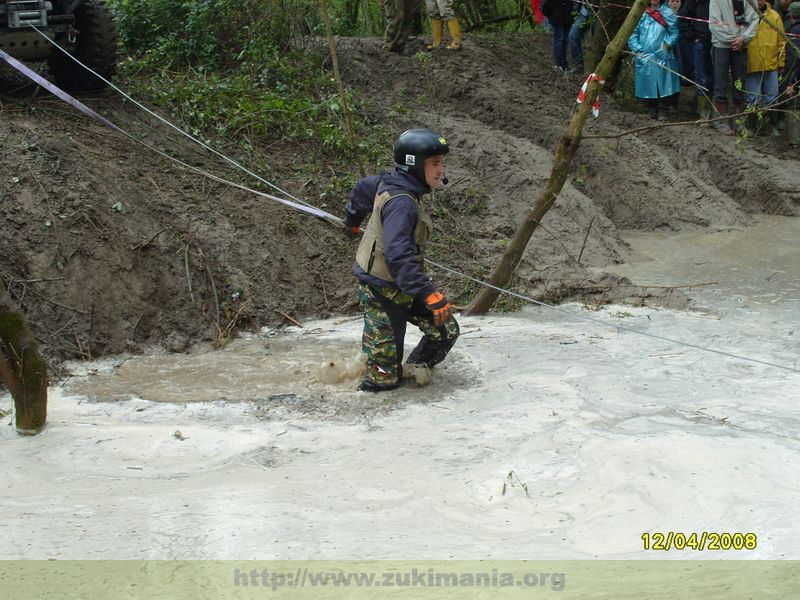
[212, 32]
[356, 17]
[495, 15]
[257, 103]
[244, 70]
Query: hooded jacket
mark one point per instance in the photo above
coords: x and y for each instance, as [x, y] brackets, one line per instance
[399, 219]
[694, 29]
[767, 50]
[656, 66]
[558, 12]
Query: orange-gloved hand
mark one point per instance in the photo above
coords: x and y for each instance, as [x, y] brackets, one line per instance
[439, 306]
[351, 231]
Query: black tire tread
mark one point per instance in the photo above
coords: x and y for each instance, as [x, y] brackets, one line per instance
[96, 47]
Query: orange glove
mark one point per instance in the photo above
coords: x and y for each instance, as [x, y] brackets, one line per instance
[351, 231]
[439, 306]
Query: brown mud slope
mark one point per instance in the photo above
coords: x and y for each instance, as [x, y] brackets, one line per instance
[109, 246]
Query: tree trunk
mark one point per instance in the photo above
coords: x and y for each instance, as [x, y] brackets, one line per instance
[567, 147]
[609, 20]
[348, 119]
[21, 368]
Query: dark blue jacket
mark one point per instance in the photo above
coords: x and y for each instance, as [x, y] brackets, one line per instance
[558, 12]
[693, 30]
[399, 221]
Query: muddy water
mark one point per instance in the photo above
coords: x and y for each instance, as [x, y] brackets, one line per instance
[754, 269]
[541, 436]
[753, 276]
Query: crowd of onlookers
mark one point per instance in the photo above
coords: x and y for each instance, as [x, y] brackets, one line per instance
[741, 56]
[744, 51]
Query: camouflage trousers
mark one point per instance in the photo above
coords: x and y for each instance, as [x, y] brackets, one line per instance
[387, 311]
[399, 22]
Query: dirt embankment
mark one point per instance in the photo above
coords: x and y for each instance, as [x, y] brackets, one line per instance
[108, 246]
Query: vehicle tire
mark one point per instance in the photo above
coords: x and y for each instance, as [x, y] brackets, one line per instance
[95, 46]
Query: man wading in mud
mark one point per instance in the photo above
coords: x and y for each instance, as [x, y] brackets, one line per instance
[393, 288]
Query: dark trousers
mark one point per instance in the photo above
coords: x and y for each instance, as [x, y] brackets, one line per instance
[560, 41]
[729, 67]
[703, 68]
[399, 22]
[576, 33]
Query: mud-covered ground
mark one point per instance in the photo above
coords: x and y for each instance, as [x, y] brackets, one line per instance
[108, 246]
[545, 434]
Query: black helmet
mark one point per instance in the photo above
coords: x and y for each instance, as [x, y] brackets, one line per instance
[414, 146]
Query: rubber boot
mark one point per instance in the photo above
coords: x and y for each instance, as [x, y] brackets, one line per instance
[436, 30]
[703, 108]
[723, 126]
[430, 353]
[455, 33]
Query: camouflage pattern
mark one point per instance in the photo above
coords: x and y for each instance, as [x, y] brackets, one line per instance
[399, 22]
[386, 312]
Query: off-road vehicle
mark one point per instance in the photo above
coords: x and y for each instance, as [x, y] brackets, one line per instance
[85, 28]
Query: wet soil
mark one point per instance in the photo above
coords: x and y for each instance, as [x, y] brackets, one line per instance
[109, 247]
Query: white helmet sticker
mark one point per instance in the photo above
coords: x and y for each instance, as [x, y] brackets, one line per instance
[410, 159]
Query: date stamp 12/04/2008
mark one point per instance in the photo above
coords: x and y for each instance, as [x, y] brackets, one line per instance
[705, 540]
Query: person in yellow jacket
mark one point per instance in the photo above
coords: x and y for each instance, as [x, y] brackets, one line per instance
[441, 12]
[765, 58]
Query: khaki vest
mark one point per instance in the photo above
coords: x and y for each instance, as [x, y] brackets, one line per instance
[370, 255]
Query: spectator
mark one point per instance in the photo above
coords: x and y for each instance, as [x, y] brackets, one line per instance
[694, 29]
[652, 42]
[559, 15]
[782, 8]
[399, 20]
[765, 56]
[683, 50]
[537, 14]
[792, 76]
[733, 24]
[440, 12]
[578, 29]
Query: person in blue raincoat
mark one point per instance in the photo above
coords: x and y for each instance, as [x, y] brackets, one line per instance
[657, 82]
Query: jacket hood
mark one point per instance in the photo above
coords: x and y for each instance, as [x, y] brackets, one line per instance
[400, 180]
